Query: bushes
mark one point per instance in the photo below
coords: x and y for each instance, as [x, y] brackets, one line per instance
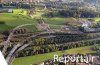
[54, 47]
[2, 22]
[51, 14]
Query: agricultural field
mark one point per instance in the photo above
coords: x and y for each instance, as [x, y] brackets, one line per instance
[42, 57]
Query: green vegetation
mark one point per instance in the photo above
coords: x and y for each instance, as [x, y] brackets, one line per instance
[30, 28]
[97, 49]
[20, 11]
[37, 15]
[97, 19]
[48, 47]
[58, 20]
[54, 20]
[81, 50]
[18, 17]
[4, 27]
[42, 57]
[55, 26]
[15, 20]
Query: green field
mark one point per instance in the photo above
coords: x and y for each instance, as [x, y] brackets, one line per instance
[20, 11]
[19, 17]
[11, 20]
[15, 19]
[54, 20]
[97, 19]
[42, 57]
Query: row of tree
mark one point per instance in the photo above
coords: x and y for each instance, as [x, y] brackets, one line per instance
[60, 43]
[73, 13]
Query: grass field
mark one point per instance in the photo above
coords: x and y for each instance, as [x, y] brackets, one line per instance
[42, 57]
[18, 17]
[97, 19]
[56, 20]
[4, 27]
[15, 19]
[31, 28]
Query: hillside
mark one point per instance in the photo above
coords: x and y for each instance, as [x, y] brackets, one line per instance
[42, 57]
